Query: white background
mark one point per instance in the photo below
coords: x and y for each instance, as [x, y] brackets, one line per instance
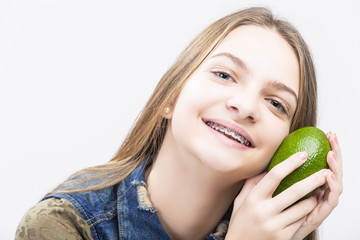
[75, 74]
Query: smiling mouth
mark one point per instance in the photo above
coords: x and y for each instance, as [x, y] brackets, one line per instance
[229, 133]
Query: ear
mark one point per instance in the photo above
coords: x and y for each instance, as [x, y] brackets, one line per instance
[167, 113]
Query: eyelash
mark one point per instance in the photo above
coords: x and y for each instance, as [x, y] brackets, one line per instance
[278, 105]
[221, 74]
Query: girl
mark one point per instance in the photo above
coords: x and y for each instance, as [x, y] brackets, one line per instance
[193, 165]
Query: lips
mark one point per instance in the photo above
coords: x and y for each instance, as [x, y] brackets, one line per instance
[230, 133]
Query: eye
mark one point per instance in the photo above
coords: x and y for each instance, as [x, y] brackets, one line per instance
[224, 76]
[276, 104]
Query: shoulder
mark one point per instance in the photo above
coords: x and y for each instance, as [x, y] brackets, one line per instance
[94, 205]
[53, 219]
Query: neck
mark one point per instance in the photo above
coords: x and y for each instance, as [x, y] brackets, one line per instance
[190, 198]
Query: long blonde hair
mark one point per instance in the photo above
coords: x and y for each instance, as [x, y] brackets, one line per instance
[146, 136]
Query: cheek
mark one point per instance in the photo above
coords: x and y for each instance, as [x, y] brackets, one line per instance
[275, 134]
[198, 94]
[190, 102]
[272, 137]
[272, 132]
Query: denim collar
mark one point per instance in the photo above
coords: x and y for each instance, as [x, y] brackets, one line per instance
[137, 217]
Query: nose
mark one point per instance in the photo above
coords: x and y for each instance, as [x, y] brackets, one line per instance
[244, 106]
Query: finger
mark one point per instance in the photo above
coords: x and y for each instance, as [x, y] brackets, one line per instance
[335, 165]
[290, 230]
[333, 192]
[297, 211]
[249, 184]
[327, 201]
[300, 189]
[319, 193]
[269, 183]
[334, 144]
[334, 158]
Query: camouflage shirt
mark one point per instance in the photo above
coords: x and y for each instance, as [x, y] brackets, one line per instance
[53, 219]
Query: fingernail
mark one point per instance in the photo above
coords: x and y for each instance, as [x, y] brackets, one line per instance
[303, 156]
[325, 172]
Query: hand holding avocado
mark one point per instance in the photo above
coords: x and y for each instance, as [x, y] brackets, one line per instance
[263, 201]
[311, 140]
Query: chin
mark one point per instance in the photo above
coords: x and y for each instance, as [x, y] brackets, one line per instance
[225, 165]
[230, 166]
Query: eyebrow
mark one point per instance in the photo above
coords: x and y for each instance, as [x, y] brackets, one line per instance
[240, 63]
[282, 87]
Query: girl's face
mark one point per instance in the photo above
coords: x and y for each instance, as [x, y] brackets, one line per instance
[235, 110]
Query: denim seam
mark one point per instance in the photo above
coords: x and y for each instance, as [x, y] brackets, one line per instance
[90, 219]
[119, 215]
[92, 227]
[78, 204]
[105, 218]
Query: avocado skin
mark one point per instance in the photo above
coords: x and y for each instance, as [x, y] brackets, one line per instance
[307, 139]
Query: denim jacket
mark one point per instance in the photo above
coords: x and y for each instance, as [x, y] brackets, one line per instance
[124, 211]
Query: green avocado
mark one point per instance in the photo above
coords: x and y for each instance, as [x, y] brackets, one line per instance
[307, 139]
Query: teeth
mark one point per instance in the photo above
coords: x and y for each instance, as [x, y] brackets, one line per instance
[229, 132]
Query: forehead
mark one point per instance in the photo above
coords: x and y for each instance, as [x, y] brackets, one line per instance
[264, 51]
